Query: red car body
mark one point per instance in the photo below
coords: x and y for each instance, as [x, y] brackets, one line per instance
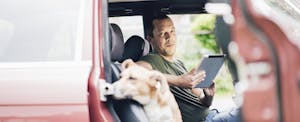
[272, 96]
[69, 89]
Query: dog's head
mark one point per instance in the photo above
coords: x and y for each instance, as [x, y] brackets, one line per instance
[139, 83]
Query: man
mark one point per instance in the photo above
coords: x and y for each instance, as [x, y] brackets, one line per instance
[193, 102]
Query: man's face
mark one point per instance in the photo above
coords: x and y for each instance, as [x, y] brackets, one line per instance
[164, 37]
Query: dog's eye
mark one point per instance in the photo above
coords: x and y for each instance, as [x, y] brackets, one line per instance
[131, 78]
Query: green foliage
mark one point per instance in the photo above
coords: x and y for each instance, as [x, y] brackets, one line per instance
[204, 22]
[224, 82]
[203, 27]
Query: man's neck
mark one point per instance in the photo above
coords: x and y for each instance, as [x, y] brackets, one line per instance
[168, 58]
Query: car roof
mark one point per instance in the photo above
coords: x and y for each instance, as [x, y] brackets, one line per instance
[116, 1]
[144, 7]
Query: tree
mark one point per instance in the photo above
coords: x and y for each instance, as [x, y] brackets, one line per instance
[203, 28]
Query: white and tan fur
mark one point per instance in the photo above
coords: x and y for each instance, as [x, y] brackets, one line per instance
[149, 88]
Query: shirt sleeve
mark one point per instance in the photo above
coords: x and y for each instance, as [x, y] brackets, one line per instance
[152, 59]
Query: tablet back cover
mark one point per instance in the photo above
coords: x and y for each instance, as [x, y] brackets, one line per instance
[211, 65]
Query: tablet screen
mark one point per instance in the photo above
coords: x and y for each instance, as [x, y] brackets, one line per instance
[211, 64]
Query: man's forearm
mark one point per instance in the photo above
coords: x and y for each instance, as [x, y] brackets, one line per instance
[207, 100]
[173, 80]
[204, 98]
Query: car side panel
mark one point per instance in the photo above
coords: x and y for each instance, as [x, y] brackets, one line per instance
[44, 91]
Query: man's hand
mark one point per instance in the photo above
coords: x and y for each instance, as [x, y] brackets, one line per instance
[190, 79]
[210, 91]
[205, 92]
[208, 95]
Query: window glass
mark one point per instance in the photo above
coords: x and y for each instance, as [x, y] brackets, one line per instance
[33, 30]
[131, 25]
[194, 32]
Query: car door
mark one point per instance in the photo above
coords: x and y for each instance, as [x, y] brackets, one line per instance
[265, 35]
[45, 60]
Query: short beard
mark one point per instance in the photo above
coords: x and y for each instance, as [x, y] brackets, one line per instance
[168, 53]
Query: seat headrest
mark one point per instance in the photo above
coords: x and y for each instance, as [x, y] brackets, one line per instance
[147, 48]
[117, 42]
[135, 47]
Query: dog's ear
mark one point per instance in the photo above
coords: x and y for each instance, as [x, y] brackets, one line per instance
[159, 81]
[127, 63]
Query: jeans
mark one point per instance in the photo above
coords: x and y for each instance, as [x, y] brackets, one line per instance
[232, 115]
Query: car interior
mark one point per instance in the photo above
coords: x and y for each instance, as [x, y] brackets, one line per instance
[249, 27]
[71, 54]
[136, 46]
[258, 29]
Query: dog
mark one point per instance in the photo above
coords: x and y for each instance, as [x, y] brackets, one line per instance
[149, 88]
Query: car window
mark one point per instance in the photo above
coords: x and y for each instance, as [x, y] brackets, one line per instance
[38, 30]
[194, 32]
[130, 25]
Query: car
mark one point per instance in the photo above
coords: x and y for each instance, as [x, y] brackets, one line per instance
[58, 57]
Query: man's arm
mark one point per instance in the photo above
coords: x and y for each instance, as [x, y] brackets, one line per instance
[188, 80]
[144, 64]
[206, 95]
[172, 79]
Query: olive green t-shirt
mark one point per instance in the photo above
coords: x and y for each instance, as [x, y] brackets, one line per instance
[192, 109]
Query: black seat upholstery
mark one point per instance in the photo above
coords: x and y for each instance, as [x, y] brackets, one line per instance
[117, 49]
[116, 44]
[126, 110]
[135, 47]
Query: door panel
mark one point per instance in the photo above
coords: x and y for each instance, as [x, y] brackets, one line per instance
[44, 90]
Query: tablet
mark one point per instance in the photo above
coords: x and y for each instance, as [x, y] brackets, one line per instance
[211, 64]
